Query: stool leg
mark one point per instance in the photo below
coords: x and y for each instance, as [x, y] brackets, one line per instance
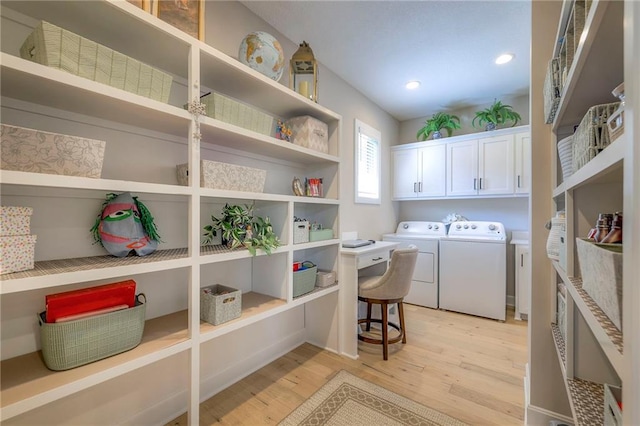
[401, 314]
[369, 305]
[385, 333]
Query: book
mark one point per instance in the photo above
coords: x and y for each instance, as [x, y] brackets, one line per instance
[75, 302]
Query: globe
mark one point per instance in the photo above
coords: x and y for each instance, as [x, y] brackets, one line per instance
[263, 53]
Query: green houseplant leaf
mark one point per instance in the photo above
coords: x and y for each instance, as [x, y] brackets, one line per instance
[497, 114]
[437, 122]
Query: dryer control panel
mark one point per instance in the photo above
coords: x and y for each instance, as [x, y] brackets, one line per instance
[480, 230]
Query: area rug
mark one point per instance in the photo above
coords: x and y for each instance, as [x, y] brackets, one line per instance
[347, 400]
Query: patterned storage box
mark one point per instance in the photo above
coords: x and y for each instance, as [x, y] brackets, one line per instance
[71, 344]
[592, 135]
[15, 221]
[17, 253]
[558, 229]
[28, 150]
[601, 269]
[58, 48]
[304, 281]
[219, 304]
[227, 176]
[300, 232]
[309, 132]
[237, 113]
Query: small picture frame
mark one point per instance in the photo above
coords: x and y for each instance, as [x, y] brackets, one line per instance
[142, 4]
[186, 15]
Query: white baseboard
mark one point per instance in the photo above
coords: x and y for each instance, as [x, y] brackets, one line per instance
[536, 416]
[168, 409]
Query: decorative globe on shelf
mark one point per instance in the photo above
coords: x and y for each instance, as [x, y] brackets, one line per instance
[262, 52]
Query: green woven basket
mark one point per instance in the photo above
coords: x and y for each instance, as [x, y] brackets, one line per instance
[304, 281]
[71, 344]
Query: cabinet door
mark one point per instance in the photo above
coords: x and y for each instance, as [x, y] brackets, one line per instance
[523, 280]
[405, 173]
[432, 174]
[462, 168]
[495, 170]
[523, 163]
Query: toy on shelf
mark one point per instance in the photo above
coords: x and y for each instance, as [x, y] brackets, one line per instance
[283, 132]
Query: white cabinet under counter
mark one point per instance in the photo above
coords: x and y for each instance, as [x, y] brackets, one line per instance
[520, 239]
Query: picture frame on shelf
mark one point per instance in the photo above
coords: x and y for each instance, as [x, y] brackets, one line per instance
[142, 4]
[186, 15]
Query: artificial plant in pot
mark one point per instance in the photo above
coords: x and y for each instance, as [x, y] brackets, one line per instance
[239, 228]
[495, 115]
[437, 122]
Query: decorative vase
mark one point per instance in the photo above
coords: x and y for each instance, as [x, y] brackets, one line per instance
[437, 134]
[490, 126]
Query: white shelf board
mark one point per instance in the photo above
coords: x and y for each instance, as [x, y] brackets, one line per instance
[560, 349]
[28, 384]
[314, 244]
[41, 180]
[590, 82]
[596, 320]
[601, 168]
[261, 196]
[39, 84]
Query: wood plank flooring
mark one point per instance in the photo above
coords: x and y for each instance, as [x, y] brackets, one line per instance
[467, 367]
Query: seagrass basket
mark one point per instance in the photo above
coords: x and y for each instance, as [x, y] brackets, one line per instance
[592, 135]
[552, 90]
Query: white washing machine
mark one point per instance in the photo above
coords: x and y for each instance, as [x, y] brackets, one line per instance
[426, 236]
[473, 269]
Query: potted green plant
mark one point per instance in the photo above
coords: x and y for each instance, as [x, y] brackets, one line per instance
[437, 122]
[497, 114]
[239, 228]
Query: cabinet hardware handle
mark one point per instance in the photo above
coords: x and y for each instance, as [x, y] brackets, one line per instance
[480, 183]
[414, 186]
[522, 260]
[419, 186]
[518, 181]
[475, 181]
[376, 259]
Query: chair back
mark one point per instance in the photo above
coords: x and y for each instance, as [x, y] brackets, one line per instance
[400, 273]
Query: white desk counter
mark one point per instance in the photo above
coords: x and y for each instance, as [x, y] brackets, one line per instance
[368, 260]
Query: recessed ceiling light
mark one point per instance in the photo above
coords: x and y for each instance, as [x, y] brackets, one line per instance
[412, 85]
[503, 59]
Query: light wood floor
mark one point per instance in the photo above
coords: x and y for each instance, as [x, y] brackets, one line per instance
[467, 367]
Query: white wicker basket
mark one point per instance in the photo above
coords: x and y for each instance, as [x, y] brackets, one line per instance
[592, 135]
[552, 90]
[565, 153]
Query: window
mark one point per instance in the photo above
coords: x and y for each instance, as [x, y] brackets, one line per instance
[367, 164]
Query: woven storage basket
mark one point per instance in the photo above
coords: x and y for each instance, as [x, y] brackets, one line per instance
[551, 90]
[219, 304]
[592, 135]
[237, 113]
[71, 344]
[553, 240]
[304, 281]
[565, 153]
[58, 48]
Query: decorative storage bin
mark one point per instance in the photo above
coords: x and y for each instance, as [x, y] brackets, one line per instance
[615, 123]
[320, 234]
[71, 344]
[592, 135]
[300, 232]
[304, 280]
[309, 132]
[15, 221]
[17, 253]
[552, 90]
[227, 176]
[237, 113]
[601, 269]
[561, 313]
[565, 154]
[219, 304]
[29, 150]
[612, 401]
[58, 48]
[325, 278]
[553, 240]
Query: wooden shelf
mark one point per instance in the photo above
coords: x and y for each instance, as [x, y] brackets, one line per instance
[605, 332]
[27, 383]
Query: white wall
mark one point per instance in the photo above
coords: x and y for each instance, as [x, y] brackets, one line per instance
[227, 24]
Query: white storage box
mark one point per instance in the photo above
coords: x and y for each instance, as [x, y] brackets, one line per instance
[29, 150]
[237, 113]
[17, 253]
[219, 304]
[15, 221]
[601, 269]
[300, 232]
[58, 48]
[325, 278]
[309, 132]
[216, 175]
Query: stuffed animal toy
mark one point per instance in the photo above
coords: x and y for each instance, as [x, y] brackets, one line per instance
[125, 224]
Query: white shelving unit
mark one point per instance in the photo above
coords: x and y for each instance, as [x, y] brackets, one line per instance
[181, 360]
[592, 353]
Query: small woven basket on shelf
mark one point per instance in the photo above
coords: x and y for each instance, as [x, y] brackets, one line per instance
[552, 90]
[565, 153]
[592, 135]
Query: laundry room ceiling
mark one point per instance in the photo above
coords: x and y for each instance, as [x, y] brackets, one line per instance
[378, 46]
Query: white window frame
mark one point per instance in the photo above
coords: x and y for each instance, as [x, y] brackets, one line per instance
[368, 192]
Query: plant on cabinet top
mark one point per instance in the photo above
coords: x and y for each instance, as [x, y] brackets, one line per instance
[495, 115]
[437, 122]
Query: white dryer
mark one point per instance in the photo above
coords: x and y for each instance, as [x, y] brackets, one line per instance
[473, 269]
[426, 236]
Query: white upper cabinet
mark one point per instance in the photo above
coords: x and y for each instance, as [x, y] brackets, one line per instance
[523, 163]
[495, 165]
[405, 167]
[419, 172]
[462, 168]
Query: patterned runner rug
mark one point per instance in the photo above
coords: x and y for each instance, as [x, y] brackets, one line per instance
[347, 400]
